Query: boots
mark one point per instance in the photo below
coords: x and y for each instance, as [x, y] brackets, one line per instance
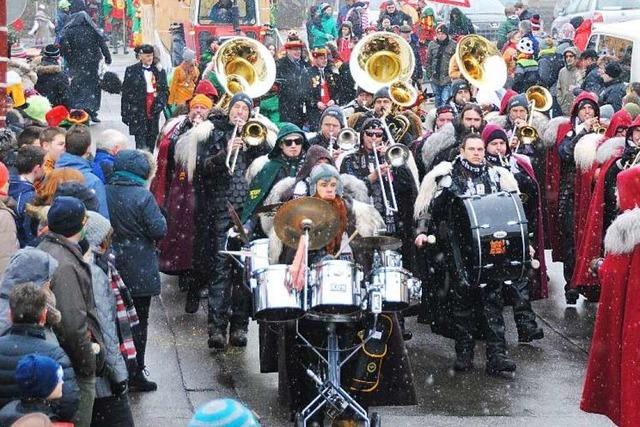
[464, 362]
[139, 382]
[528, 335]
[217, 339]
[238, 337]
[500, 363]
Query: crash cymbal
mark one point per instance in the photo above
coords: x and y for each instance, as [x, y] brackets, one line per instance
[319, 214]
[382, 243]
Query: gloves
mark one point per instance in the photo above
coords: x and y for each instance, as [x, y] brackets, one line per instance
[118, 389]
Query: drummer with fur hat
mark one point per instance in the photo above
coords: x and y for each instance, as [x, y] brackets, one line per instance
[292, 71]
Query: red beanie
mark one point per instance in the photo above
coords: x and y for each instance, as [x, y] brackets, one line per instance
[205, 87]
[510, 93]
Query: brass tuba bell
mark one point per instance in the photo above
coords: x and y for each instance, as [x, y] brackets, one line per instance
[480, 62]
[244, 65]
[380, 59]
[539, 99]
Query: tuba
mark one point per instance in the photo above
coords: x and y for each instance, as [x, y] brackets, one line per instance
[480, 62]
[244, 65]
[380, 59]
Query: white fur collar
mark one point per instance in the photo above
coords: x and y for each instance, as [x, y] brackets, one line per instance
[429, 186]
[612, 147]
[187, 146]
[550, 133]
[623, 235]
[585, 150]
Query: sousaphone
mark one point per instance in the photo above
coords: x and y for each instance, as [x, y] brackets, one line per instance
[480, 62]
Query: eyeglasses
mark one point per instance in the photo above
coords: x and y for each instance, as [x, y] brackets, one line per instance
[290, 142]
[377, 134]
[569, 55]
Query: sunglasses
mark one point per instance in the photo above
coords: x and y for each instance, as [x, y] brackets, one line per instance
[377, 134]
[290, 142]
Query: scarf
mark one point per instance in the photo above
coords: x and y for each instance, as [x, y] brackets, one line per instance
[475, 170]
[128, 176]
[497, 160]
[126, 316]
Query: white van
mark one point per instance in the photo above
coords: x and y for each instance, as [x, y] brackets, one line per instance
[621, 40]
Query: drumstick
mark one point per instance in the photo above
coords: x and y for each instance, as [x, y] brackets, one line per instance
[343, 247]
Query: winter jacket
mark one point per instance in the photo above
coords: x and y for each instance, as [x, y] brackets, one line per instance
[549, 65]
[567, 77]
[24, 339]
[439, 54]
[508, 25]
[92, 182]
[183, 84]
[324, 31]
[115, 367]
[52, 82]
[8, 236]
[102, 166]
[137, 223]
[525, 75]
[592, 81]
[61, 20]
[23, 192]
[71, 284]
[82, 44]
[294, 89]
[16, 409]
[612, 94]
[397, 18]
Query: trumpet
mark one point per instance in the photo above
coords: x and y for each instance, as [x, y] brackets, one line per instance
[540, 99]
[599, 128]
[253, 134]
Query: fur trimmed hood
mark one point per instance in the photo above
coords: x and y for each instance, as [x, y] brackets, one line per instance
[48, 69]
[438, 142]
[255, 167]
[551, 131]
[585, 150]
[187, 146]
[623, 235]
[612, 147]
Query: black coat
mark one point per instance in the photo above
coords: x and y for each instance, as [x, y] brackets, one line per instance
[294, 90]
[24, 339]
[134, 98]
[137, 223]
[83, 46]
[592, 81]
[332, 77]
[612, 94]
[52, 83]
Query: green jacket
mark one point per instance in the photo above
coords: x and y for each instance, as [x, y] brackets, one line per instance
[327, 32]
[511, 24]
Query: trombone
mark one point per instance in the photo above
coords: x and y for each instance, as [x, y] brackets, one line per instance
[347, 140]
[253, 134]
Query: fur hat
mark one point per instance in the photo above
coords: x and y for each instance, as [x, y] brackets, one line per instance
[324, 171]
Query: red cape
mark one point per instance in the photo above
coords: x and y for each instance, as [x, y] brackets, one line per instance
[612, 383]
[541, 291]
[590, 246]
[553, 191]
[581, 200]
[160, 182]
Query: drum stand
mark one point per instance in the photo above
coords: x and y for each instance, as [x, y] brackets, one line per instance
[330, 392]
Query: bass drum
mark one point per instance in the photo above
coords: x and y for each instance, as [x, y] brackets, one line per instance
[489, 237]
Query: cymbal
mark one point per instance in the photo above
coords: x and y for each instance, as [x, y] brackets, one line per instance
[382, 243]
[323, 218]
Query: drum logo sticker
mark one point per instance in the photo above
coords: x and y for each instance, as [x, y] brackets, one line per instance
[497, 247]
[338, 287]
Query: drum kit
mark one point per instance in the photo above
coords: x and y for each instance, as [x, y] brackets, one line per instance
[336, 291]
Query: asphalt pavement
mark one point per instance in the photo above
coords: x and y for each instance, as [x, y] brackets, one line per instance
[545, 390]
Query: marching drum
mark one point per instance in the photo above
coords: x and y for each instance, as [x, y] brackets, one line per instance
[393, 283]
[335, 287]
[272, 299]
[490, 239]
[259, 258]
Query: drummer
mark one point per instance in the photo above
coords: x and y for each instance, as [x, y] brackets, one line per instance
[468, 175]
[396, 386]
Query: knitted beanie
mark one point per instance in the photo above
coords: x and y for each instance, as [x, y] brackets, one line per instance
[66, 216]
[97, 228]
[223, 413]
[38, 376]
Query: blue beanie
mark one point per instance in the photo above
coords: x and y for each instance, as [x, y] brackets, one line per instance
[66, 216]
[241, 97]
[223, 413]
[37, 376]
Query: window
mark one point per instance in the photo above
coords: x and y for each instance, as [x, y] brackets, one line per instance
[572, 7]
[617, 4]
[583, 6]
[220, 12]
[621, 49]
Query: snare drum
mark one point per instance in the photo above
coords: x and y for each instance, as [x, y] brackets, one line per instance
[272, 300]
[394, 284]
[259, 258]
[335, 287]
[391, 259]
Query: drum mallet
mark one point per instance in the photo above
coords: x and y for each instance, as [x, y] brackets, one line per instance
[347, 243]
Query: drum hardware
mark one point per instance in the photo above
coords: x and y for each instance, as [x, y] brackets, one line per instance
[237, 223]
[330, 391]
[480, 62]
[269, 209]
[369, 244]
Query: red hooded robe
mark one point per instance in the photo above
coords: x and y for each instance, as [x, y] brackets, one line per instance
[612, 383]
[590, 245]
